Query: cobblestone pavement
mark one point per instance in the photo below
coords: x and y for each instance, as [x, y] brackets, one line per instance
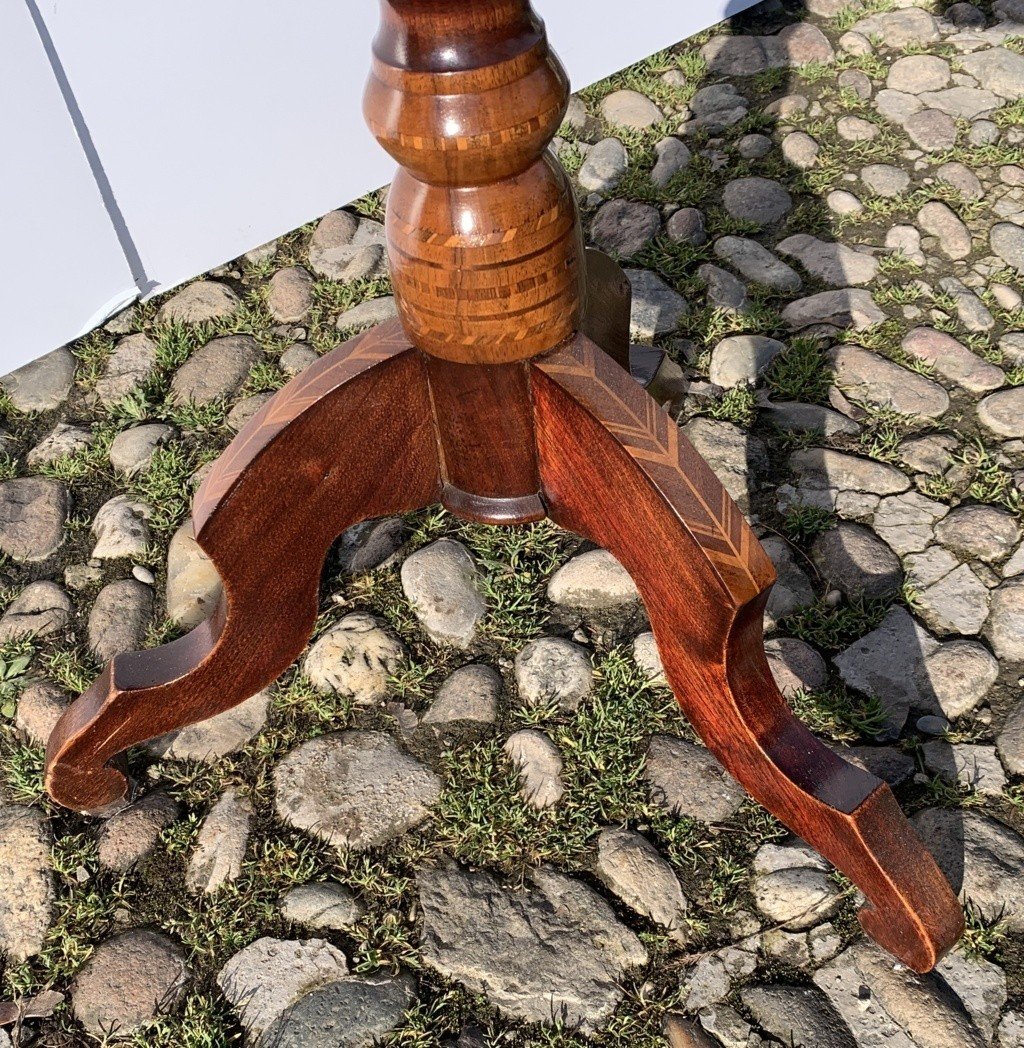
[481, 820]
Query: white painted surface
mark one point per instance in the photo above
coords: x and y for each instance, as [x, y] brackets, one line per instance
[63, 268]
[221, 124]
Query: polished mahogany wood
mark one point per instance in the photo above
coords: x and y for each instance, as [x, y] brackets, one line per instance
[352, 437]
[506, 398]
[617, 469]
[483, 234]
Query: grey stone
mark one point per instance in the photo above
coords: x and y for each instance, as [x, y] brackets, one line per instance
[857, 562]
[539, 765]
[971, 311]
[193, 583]
[648, 658]
[199, 302]
[905, 241]
[757, 264]
[952, 360]
[886, 665]
[119, 618]
[997, 69]
[848, 308]
[43, 384]
[217, 736]
[687, 780]
[931, 454]
[742, 359]
[220, 844]
[1005, 627]
[657, 309]
[553, 670]
[555, 951]
[980, 986]
[957, 603]
[834, 264]
[884, 762]
[40, 609]
[885, 180]
[215, 371]
[897, 106]
[441, 583]
[954, 238]
[63, 441]
[673, 156]
[982, 859]
[40, 706]
[800, 1016]
[120, 529]
[976, 767]
[793, 46]
[961, 178]
[906, 521]
[792, 885]
[1001, 414]
[856, 129]
[931, 130]
[295, 359]
[810, 418]
[290, 295]
[918, 73]
[593, 581]
[631, 867]
[686, 226]
[863, 375]
[624, 227]
[793, 589]
[834, 470]
[322, 905]
[129, 980]
[983, 532]
[737, 458]
[346, 1013]
[346, 248]
[130, 365]
[840, 202]
[133, 833]
[800, 150]
[604, 166]
[27, 899]
[630, 109]
[470, 694]
[370, 544]
[710, 980]
[32, 515]
[354, 789]
[1007, 241]
[1010, 742]
[795, 665]
[722, 290]
[132, 450]
[354, 657]
[761, 201]
[899, 28]
[960, 674]
[366, 314]
[883, 1003]
[268, 976]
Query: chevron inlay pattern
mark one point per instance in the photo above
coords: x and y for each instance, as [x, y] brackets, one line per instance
[654, 440]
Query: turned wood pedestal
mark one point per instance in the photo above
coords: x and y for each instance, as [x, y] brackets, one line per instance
[504, 394]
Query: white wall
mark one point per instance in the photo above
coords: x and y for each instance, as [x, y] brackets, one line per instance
[216, 126]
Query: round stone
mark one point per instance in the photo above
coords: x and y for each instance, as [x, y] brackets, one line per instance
[1005, 626]
[1007, 242]
[916, 74]
[127, 981]
[761, 201]
[441, 583]
[852, 558]
[630, 109]
[132, 450]
[28, 892]
[354, 789]
[686, 226]
[553, 670]
[604, 166]
[885, 180]
[470, 694]
[624, 227]
[1003, 413]
[593, 581]
[290, 295]
[32, 515]
[355, 657]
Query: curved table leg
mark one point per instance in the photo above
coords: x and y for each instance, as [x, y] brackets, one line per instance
[616, 469]
[350, 438]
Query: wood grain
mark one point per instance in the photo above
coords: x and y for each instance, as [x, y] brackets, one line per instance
[616, 469]
[350, 438]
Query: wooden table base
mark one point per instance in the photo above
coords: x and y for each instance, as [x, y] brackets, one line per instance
[502, 394]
